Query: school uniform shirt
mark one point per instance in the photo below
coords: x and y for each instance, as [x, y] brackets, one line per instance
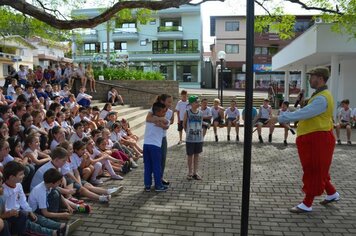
[83, 95]
[206, 112]
[95, 154]
[215, 112]
[64, 94]
[54, 144]
[66, 168]
[232, 114]
[110, 95]
[265, 112]
[15, 198]
[38, 177]
[47, 126]
[29, 95]
[10, 90]
[75, 137]
[182, 108]
[77, 119]
[75, 161]
[345, 115]
[38, 197]
[103, 114]
[153, 135]
[115, 137]
[168, 117]
[6, 160]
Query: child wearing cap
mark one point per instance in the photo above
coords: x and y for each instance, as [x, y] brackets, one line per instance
[285, 108]
[264, 114]
[193, 126]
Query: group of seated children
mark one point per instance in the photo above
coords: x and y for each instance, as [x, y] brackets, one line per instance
[218, 115]
[37, 160]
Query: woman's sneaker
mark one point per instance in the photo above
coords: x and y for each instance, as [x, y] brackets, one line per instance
[161, 189]
[117, 177]
[96, 182]
[147, 188]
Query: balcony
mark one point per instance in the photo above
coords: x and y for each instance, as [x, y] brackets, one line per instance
[88, 35]
[170, 32]
[124, 34]
[7, 56]
[165, 55]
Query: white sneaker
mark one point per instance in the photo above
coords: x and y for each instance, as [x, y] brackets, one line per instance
[117, 177]
[104, 198]
[96, 182]
[115, 190]
[133, 164]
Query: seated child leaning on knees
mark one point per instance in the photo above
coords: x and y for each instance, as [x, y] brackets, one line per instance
[40, 201]
[127, 131]
[17, 208]
[115, 139]
[16, 153]
[33, 151]
[59, 157]
[103, 158]
[124, 163]
[72, 172]
[128, 141]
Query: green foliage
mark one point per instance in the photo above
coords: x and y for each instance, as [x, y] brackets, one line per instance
[280, 24]
[12, 23]
[126, 74]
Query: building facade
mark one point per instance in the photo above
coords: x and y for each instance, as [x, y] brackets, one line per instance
[15, 51]
[230, 36]
[171, 43]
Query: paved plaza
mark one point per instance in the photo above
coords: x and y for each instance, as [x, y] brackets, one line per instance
[213, 206]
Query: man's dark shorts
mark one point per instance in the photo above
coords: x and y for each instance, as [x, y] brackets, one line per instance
[180, 126]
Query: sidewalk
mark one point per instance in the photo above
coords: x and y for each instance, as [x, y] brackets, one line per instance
[213, 206]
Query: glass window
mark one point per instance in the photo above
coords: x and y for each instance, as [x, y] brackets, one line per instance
[163, 46]
[152, 22]
[129, 25]
[257, 51]
[232, 26]
[184, 46]
[143, 42]
[105, 47]
[91, 47]
[187, 71]
[120, 46]
[232, 48]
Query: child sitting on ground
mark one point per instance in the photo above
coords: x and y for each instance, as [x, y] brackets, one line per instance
[83, 99]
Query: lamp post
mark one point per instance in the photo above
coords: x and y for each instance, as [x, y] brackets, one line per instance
[221, 56]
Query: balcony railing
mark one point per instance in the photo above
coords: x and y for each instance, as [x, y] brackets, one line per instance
[170, 29]
[7, 56]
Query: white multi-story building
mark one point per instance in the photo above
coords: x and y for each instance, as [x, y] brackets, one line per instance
[170, 43]
[15, 51]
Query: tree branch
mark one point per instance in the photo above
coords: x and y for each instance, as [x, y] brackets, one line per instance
[263, 7]
[323, 9]
[42, 15]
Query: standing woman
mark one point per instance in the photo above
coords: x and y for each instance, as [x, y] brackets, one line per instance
[167, 100]
[89, 73]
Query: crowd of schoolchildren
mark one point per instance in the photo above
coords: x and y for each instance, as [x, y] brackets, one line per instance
[43, 174]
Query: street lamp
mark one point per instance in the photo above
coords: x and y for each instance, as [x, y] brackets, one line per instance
[221, 56]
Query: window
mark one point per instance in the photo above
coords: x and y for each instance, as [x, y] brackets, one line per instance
[105, 47]
[232, 26]
[128, 25]
[232, 48]
[120, 46]
[143, 42]
[91, 47]
[164, 46]
[187, 46]
[266, 50]
[152, 22]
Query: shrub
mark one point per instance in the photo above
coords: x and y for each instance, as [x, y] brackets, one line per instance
[126, 74]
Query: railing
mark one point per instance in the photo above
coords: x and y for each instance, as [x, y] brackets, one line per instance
[124, 30]
[161, 51]
[170, 29]
[7, 55]
[86, 32]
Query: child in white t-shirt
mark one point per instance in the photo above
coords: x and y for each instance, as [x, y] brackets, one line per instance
[83, 99]
[344, 120]
[181, 108]
[232, 118]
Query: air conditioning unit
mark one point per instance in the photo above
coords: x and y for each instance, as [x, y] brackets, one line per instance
[148, 40]
[318, 20]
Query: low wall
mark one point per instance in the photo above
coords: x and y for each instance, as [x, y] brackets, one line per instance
[137, 92]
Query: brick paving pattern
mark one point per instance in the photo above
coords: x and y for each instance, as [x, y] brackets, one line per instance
[212, 206]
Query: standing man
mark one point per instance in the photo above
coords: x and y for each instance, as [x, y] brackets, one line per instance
[315, 141]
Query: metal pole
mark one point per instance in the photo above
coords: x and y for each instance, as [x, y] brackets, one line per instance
[219, 78]
[221, 82]
[248, 118]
